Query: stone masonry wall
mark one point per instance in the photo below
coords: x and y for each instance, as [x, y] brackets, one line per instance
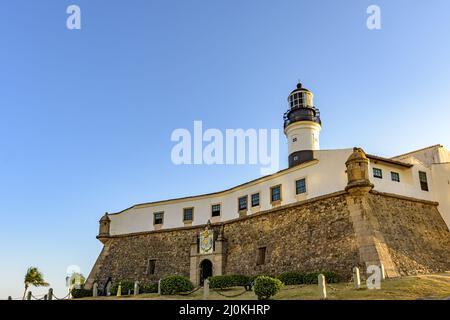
[127, 257]
[415, 233]
[314, 235]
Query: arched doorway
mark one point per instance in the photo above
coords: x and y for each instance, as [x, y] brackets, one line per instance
[205, 270]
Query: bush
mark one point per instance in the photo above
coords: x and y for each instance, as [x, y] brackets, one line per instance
[175, 284]
[228, 281]
[266, 287]
[296, 278]
[148, 287]
[292, 278]
[126, 286]
[262, 275]
[81, 293]
[311, 278]
[332, 277]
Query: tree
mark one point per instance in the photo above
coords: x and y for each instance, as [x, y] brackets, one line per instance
[76, 281]
[35, 278]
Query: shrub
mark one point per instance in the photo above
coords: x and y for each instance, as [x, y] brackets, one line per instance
[292, 278]
[241, 280]
[266, 287]
[81, 293]
[295, 278]
[126, 286]
[228, 281]
[332, 277]
[252, 278]
[148, 287]
[175, 284]
[311, 278]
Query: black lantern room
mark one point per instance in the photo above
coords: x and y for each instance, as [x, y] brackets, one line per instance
[301, 107]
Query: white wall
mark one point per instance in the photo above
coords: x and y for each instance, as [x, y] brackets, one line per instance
[325, 176]
[428, 156]
[307, 134]
[441, 178]
[409, 184]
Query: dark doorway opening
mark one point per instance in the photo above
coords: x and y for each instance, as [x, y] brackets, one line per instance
[205, 270]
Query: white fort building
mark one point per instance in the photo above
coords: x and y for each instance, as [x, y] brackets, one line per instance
[422, 174]
[330, 210]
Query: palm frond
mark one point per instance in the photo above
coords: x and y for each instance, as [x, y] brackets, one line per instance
[34, 278]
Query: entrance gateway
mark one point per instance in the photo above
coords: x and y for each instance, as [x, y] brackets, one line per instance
[207, 254]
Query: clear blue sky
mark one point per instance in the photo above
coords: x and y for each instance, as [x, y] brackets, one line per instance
[86, 116]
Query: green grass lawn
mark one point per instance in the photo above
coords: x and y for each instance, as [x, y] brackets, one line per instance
[435, 286]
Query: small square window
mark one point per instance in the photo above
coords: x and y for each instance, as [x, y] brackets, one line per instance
[188, 214]
[423, 180]
[151, 266]
[215, 210]
[294, 140]
[395, 176]
[300, 186]
[261, 256]
[275, 193]
[242, 202]
[255, 199]
[377, 173]
[158, 218]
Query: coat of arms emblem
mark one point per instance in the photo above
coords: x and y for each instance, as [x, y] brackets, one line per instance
[206, 241]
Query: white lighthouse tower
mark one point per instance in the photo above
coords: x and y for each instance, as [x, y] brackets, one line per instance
[302, 126]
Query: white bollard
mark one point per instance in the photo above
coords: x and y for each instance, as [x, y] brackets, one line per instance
[95, 290]
[159, 286]
[206, 289]
[374, 280]
[322, 287]
[356, 278]
[136, 288]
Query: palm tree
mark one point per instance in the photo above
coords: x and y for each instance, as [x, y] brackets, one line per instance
[35, 278]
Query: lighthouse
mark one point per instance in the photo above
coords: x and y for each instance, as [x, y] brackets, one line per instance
[302, 126]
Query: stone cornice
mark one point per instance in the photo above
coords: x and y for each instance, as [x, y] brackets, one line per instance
[397, 196]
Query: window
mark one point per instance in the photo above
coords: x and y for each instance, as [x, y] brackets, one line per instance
[300, 186]
[423, 180]
[158, 218]
[215, 210]
[275, 193]
[395, 176]
[242, 203]
[294, 139]
[377, 173]
[188, 214]
[261, 256]
[151, 266]
[255, 200]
